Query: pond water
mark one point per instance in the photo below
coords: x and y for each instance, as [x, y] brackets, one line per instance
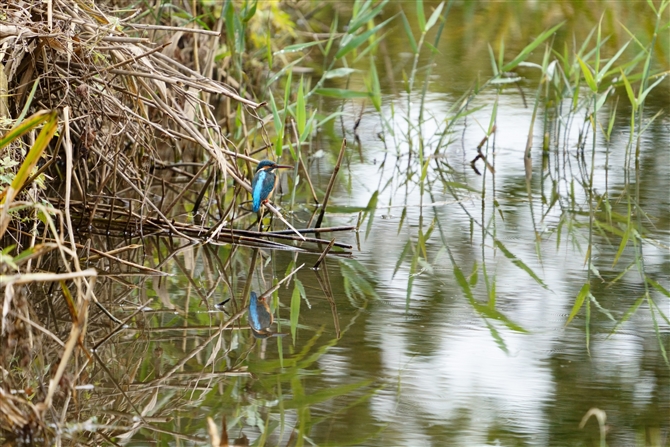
[448, 326]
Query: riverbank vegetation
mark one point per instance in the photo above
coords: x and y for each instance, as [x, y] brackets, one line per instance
[131, 132]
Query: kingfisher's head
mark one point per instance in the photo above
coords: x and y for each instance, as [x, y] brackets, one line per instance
[268, 166]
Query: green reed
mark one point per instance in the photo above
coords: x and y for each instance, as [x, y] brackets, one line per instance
[573, 82]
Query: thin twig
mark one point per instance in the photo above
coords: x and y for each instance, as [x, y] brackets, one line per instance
[302, 163]
[172, 28]
[323, 255]
[286, 278]
[331, 183]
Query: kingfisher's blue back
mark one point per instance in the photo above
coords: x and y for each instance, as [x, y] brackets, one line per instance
[261, 187]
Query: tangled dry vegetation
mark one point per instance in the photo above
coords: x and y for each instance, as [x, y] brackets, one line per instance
[134, 112]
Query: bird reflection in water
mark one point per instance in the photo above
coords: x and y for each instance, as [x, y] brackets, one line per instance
[260, 317]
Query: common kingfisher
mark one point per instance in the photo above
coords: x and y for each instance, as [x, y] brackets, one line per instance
[260, 318]
[264, 183]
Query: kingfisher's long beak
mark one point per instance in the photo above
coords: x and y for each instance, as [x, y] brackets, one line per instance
[283, 166]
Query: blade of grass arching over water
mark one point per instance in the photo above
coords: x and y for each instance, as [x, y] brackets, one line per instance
[519, 263]
[408, 33]
[529, 48]
[631, 311]
[588, 76]
[364, 16]
[528, 162]
[462, 281]
[373, 86]
[295, 309]
[401, 258]
[624, 239]
[355, 42]
[325, 395]
[579, 301]
[483, 309]
[660, 312]
[370, 211]
[657, 286]
[412, 275]
[497, 337]
[358, 281]
[659, 337]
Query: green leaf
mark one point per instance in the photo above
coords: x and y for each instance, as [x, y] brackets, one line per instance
[374, 86]
[323, 395]
[308, 127]
[657, 330]
[631, 311]
[249, 12]
[8, 249]
[492, 313]
[519, 263]
[459, 185]
[339, 73]
[401, 258]
[658, 287]
[25, 126]
[229, 14]
[408, 32]
[581, 296]
[465, 286]
[279, 125]
[403, 215]
[353, 43]
[603, 71]
[34, 154]
[629, 91]
[494, 66]
[474, 275]
[530, 47]
[364, 17]
[501, 81]
[624, 242]
[300, 109]
[410, 279]
[436, 15]
[588, 76]
[298, 47]
[644, 94]
[287, 69]
[421, 16]
[371, 208]
[498, 338]
[341, 93]
[295, 310]
[29, 101]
